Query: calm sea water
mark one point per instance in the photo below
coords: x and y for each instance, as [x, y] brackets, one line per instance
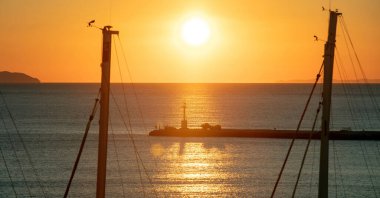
[51, 119]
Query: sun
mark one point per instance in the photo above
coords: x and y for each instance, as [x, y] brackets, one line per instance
[195, 31]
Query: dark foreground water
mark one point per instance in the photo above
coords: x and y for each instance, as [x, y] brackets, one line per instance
[50, 119]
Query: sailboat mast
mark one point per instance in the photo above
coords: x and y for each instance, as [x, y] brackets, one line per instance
[327, 89]
[104, 111]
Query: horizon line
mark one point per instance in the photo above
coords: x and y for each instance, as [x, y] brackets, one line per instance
[284, 82]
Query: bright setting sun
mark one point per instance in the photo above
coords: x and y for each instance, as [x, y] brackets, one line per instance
[195, 31]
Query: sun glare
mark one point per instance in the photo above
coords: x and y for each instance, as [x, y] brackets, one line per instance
[195, 32]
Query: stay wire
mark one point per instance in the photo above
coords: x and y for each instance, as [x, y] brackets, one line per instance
[347, 94]
[313, 156]
[312, 168]
[364, 151]
[136, 97]
[6, 167]
[8, 172]
[348, 51]
[355, 73]
[334, 161]
[350, 90]
[135, 93]
[133, 86]
[339, 168]
[378, 147]
[24, 146]
[137, 100]
[129, 117]
[134, 144]
[358, 60]
[306, 149]
[373, 99]
[88, 125]
[15, 153]
[348, 98]
[298, 128]
[117, 157]
[369, 89]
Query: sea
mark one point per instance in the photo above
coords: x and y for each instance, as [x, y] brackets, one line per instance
[42, 126]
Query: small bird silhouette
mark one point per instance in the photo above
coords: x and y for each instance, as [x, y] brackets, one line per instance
[323, 8]
[90, 23]
[316, 38]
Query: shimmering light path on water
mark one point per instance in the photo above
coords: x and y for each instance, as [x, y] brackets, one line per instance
[193, 167]
[51, 119]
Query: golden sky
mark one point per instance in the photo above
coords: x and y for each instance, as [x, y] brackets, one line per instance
[249, 41]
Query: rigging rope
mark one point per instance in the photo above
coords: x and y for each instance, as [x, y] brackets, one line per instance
[339, 168]
[378, 148]
[138, 107]
[353, 48]
[336, 184]
[82, 144]
[137, 100]
[367, 166]
[355, 74]
[313, 156]
[9, 174]
[130, 125]
[298, 128]
[133, 142]
[24, 146]
[312, 168]
[15, 153]
[306, 149]
[369, 89]
[366, 83]
[345, 89]
[133, 84]
[117, 157]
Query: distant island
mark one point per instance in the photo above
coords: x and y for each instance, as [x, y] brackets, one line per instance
[13, 78]
[335, 81]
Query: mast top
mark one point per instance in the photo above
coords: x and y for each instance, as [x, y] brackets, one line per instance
[336, 12]
[107, 28]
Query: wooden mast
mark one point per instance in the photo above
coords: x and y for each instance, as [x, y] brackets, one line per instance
[327, 89]
[104, 111]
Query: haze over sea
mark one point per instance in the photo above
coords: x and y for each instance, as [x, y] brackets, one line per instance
[51, 119]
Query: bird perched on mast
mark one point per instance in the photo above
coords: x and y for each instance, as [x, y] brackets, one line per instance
[90, 23]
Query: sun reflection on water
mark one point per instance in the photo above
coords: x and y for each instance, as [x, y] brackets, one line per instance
[192, 168]
[201, 107]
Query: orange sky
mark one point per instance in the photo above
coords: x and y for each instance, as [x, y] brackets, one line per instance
[250, 40]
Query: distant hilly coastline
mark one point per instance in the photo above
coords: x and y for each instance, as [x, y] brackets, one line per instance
[16, 78]
[335, 81]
